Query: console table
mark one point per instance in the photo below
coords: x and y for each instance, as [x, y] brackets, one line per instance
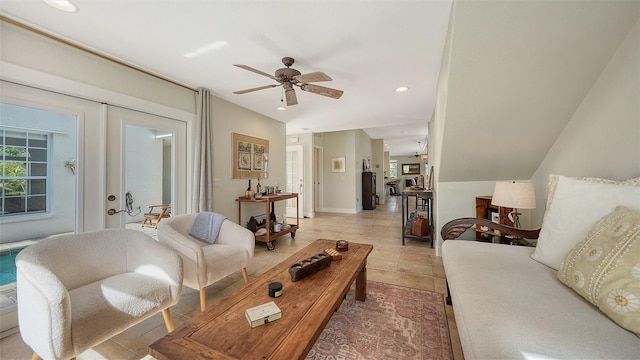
[269, 202]
[427, 195]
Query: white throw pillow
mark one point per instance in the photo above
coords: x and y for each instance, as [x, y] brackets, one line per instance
[553, 182]
[576, 206]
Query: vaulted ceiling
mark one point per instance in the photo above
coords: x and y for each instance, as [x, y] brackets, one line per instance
[518, 71]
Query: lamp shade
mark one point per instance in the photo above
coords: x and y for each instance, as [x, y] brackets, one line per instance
[514, 195]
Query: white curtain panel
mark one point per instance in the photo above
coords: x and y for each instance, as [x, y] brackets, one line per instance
[202, 199]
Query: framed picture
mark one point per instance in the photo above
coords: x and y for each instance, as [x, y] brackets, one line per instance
[411, 169]
[250, 156]
[493, 215]
[337, 164]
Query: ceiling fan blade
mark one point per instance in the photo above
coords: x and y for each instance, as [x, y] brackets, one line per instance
[256, 71]
[321, 90]
[291, 97]
[313, 77]
[255, 89]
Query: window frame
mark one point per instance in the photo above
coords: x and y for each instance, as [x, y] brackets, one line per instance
[393, 169]
[28, 135]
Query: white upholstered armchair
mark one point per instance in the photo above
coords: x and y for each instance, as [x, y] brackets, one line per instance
[206, 263]
[76, 291]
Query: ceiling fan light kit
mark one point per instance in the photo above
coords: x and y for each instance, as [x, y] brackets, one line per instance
[288, 77]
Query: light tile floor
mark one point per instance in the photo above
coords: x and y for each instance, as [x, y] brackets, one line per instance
[413, 265]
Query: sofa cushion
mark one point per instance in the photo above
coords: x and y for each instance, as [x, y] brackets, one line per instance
[576, 206]
[508, 306]
[604, 268]
[116, 303]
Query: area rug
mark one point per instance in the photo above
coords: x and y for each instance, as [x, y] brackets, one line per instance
[395, 322]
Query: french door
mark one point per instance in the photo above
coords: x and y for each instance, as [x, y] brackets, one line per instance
[146, 165]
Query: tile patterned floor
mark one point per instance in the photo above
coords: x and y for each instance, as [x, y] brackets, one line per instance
[414, 265]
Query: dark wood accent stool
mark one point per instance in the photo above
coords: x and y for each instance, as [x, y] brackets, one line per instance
[222, 331]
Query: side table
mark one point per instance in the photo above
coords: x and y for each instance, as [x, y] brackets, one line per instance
[427, 195]
[269, 202]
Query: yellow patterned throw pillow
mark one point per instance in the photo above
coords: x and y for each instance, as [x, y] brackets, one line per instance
[605, 267]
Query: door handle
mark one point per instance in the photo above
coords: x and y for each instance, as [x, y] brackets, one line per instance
[114, 211]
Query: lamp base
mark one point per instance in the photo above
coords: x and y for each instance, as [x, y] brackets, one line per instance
[514, 216]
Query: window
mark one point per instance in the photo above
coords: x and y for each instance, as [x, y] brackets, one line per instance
[393, 169]
[23, 172]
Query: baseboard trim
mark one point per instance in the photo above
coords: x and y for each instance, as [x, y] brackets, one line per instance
[340, 211]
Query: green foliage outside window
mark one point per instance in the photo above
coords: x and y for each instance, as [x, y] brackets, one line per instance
[23, 172]
[393, 169]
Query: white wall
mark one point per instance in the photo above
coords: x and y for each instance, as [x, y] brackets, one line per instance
[363, 152]
[24, 48]
[340, 192]
[228, 119]
[519, 70]
[602, 139]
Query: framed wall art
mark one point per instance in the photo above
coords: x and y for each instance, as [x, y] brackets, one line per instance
[411, 169]
[250, 157]
[337, 164]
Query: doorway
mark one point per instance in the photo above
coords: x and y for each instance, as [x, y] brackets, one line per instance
[317, 178]
[295, 180]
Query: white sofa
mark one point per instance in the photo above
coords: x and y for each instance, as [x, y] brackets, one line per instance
[509, 302]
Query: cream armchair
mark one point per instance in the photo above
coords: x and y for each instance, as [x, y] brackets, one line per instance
[76, 291]
[206, 263]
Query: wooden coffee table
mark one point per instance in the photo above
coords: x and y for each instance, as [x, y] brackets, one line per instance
[222, 331]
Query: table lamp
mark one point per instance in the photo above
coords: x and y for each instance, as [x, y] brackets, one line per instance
[514, 195]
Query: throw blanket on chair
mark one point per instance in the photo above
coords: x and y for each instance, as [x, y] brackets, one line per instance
[206, 226]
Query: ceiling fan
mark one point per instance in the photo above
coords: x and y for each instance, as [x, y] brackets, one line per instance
[288, 77]
[423, 155]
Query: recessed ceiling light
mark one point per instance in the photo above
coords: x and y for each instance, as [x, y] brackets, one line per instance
[64, 5]
[281, 108]
[306, 129]
[205, 48]
[402, 89]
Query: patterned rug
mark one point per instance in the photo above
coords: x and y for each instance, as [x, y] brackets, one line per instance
[395, 322]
